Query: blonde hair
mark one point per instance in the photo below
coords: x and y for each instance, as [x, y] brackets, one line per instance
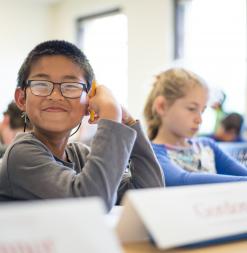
[172, 84]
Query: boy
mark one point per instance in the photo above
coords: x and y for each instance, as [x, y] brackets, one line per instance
[54, 93]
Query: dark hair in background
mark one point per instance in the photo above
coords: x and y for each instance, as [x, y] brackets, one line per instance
[233, 121]
[14, 113]
[51, 48]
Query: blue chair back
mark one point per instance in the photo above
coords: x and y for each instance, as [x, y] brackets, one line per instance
[236, 150]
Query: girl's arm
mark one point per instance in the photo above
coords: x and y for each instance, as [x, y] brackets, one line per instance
[176, 176]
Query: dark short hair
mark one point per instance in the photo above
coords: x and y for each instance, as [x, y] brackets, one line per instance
[51, 48]
[233, 121]
[14, 114]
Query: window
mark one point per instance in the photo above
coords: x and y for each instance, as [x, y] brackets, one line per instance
[211, 40]
[103, 38]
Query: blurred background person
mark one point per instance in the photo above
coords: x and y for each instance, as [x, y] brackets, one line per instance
[11, 124]
[218, 107]
[229, 129]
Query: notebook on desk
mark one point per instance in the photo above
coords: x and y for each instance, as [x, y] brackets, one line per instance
[190, 215]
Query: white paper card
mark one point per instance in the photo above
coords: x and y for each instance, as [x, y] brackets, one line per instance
[182, 215]
[113, 216]
[59, 226]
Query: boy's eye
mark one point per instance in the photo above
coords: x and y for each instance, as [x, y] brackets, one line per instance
[72, 86]
[41, 85]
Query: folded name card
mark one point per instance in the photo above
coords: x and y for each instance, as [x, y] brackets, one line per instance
[185, 215]
[56, 226]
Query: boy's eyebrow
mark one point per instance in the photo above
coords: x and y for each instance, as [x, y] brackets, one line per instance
[70, 77]
[43, 75]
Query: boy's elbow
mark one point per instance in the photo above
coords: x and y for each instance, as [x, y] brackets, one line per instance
[110, 202]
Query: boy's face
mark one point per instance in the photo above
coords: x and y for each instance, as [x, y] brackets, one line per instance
[55, 113]
[184, 116]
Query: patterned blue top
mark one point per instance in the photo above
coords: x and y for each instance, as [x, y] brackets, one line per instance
[203, 162]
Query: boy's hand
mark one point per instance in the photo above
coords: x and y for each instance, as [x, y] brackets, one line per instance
[127, 119]
[104, 105]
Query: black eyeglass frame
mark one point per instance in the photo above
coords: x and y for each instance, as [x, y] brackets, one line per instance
[29, 84]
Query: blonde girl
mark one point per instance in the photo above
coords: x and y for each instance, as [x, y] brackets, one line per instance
[173, 114]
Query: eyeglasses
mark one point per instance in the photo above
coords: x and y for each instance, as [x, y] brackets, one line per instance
[68, 89]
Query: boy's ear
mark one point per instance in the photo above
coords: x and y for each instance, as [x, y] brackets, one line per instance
[160, 105]
[87, 112]
[20, 99]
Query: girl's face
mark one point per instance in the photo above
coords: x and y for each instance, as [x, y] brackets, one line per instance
[54, 113]
[182, 119]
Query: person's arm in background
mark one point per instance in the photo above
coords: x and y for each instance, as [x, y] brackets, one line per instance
[225, 164]
[176, 176]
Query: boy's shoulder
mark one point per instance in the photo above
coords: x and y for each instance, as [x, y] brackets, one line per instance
[25, 143]
[30, 139]
[26, 138]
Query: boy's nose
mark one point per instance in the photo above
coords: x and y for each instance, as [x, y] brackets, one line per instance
[56, 92]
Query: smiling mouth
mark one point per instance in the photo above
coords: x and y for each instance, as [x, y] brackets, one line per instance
[54, 109]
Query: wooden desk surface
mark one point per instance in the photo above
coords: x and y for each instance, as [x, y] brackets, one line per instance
[236, 247]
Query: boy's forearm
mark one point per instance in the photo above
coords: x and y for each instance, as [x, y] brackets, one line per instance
[110, 151]
[146, 171]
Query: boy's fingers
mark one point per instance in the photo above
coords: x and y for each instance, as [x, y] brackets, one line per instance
[95, 121]
[92, 112]
[91, 105]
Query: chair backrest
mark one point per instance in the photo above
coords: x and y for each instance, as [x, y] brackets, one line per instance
[236, 150]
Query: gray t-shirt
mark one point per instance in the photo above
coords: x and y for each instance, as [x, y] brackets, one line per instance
[30, 171]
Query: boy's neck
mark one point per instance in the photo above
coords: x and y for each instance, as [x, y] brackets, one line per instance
[56, 143]
[166, 138]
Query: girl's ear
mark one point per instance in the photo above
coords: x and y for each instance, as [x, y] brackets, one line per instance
[20, 99]
[160, 105]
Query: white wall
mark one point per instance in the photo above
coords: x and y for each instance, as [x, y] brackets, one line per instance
[150, 37]
[23, 24]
